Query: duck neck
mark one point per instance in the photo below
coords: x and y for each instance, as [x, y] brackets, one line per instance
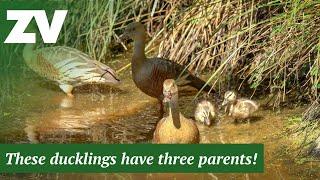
[174, 112]
[230, 107]
[138, 57]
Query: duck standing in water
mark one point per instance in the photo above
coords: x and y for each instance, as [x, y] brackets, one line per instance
[68, 67]
[149, 73]
[239, 109]
[174, 128]
[205, 112]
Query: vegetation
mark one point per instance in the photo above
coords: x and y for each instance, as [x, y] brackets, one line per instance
[304, 133]
[270, 46]
[303, 136]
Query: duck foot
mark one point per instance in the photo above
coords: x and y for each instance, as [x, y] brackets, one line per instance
[236, 121]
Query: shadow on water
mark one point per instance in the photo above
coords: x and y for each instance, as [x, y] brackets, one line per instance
[36, 111]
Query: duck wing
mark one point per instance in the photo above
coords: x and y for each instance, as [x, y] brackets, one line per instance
[247, 105]
[163, 69]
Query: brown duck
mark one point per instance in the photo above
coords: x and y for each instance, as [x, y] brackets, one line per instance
[175, 128]
[150, 73]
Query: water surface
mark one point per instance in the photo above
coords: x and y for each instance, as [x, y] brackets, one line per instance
[33, 110]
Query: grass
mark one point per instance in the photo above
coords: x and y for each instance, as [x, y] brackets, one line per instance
[256, 46]
[259, 45]
[269, 46]
[95, 26]
[303, 135]
[303, 131]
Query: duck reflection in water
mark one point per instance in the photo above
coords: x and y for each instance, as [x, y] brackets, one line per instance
[82, 119]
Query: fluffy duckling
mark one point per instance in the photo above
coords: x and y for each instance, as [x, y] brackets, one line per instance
[68, 67]
[238, 108]
[205, 112]
[174, 128]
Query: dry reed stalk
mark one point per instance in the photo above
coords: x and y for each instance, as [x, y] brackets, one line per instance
[267, 45]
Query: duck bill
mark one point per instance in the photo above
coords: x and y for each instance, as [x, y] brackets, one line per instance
[115, 82]
[207, 121]
[112, 82]
[166, 99]
[224, 103]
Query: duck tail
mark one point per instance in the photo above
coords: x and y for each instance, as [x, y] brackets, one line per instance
[202, 85]
[199, 84]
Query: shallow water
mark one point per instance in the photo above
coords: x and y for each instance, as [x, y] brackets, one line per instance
[33, 110]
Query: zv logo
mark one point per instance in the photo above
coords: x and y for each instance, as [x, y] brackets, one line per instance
[49, 33]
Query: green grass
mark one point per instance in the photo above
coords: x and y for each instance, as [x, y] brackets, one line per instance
[257, 47]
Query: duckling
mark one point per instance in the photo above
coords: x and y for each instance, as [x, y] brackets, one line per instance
[174, 128]
[205, 112]
[238, 108]
[68, 67]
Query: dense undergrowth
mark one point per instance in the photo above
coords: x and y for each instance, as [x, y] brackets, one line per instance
[262, 45]
[256, 46]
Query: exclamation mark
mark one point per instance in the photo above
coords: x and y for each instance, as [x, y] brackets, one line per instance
[255, 158]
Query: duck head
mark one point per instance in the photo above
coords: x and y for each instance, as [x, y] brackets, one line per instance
[134, 31]
[229, 98]
[205, 112]
[110, 77]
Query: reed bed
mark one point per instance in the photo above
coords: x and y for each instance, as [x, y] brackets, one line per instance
[269, 46]
[95, 26]
[256, 46]
[264, 46]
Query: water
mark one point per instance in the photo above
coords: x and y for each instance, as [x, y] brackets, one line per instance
[36, 111]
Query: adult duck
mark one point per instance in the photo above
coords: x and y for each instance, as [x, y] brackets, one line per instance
[174, 128]
[149, 73]
[68, 67]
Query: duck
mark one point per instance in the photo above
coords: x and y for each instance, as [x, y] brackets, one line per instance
[174, 128]
[149, 74]
[238, 108]
[205, 112]
[68, 67]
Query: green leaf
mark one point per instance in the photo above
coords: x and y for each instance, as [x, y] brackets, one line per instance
[6, 114]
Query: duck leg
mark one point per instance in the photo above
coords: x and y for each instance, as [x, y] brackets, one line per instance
[67, 89]
[236, 121]
[248, 120]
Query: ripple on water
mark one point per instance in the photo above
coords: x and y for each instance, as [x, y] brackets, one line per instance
[98, 117]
